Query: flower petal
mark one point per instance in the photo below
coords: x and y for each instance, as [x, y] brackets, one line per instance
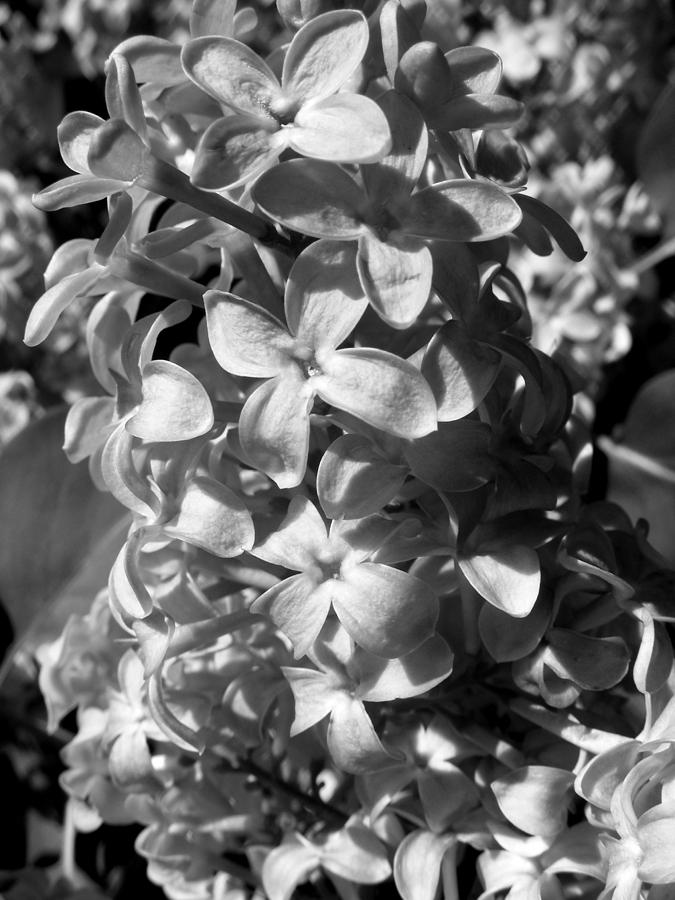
[508, 579]
[274, 428]
[45, 314]
[466, 443]
[311, 196]
[286, 867]
[656, 830]
[411, 675]
[347, 128]
[398, 172]
[89, 423]
[75, 190]
[461, 210]
[313, 694]
[386, 611]
[396, 277]
[175, 405]
[74, 136]
[299, 541]
[324, 298]
[212, 517]
[477, 111]
[352, 741]
[459, 370]
[153, 59]
[535, 798]
[208, 17]
[324, 54]
[231, 73]
[116, 151]
[245, 338]
[474, 70]
[417, 864]
[356, 854]
[380, 388]
[235, 149]
[354, 479]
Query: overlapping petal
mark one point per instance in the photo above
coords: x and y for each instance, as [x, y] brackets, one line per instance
[344, 128]
[395, 276]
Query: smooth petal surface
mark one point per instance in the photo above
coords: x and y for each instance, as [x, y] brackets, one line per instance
[380, 388]
[231, 73]
[535, 798]
[175, 406]
[386, 611]
[476, 111]
[347, 128]
[324, 53]
[411, 675]
[313, 197]
[396, 277]
[474, 70]
[656, 829]
[274, 428]
[299, 541]
[245, 338]
[235, 149]
[459, 370]
[594, 664]
[356, 854]
[77, 189]
[153, 59]
[209, 17]
[89, 423]
[508, 579]
[45, 314]
[454, 458]
[212, 517]
[286, 867]
[314, 697]
[324, 299]
[461, 210]
[398, 172]
[354, 479]
[352, 741]
[74, 136]
[116, 151]
[417, 864]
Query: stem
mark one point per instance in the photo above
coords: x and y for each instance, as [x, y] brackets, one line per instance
[167, 181]
[312, 804]
[67, 860]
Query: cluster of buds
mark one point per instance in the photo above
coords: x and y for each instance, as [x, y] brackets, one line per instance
[361, 626]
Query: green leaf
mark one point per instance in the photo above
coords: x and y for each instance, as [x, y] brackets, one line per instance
[58, 535]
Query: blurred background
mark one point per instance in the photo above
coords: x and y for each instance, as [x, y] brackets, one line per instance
[597, 78]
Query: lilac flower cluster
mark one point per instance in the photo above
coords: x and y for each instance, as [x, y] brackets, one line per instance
[362, 626]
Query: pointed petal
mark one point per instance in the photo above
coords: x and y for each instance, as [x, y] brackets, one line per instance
[122, 96]
[121, 477]
[324, 54]
[299, 541]
[558, 227]
[313, 197]
[324, 298]
[459, 370]
[396, 277]
[245, 338]
[380, 388]
[352, 741]
[212, 517]
[175, 405]
[231, 73]
[298, 607]
[461, 210]
[235, 149]
[411, 675]
[386, 611]
[45, 314]
[398, 172]
[417, 864]
[314, 697]
[354, 479]
[75, 190]
[508, 579]
[347, 128]
[274, 428]
[74, 134]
